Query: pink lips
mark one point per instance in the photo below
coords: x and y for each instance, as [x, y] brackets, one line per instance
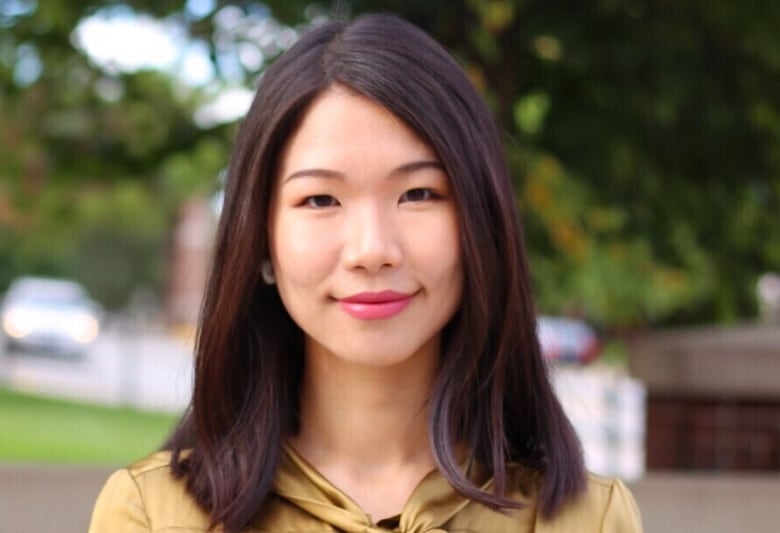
[375, 305]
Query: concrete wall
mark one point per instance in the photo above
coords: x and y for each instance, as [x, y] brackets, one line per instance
[37, 498]
[713, 397]
[738, 361]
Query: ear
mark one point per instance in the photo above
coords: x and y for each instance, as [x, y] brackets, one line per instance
[267, 272]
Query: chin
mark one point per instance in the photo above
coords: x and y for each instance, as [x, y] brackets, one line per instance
[388, 354]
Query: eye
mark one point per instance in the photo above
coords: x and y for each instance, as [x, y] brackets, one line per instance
[419, 194]
[320, 201]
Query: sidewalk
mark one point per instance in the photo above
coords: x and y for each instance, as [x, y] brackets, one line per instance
[34, 499]
[711, 503]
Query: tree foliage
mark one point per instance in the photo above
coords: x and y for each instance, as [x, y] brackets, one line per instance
[93, 163]
[644, 138]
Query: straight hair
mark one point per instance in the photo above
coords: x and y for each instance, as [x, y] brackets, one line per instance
[492, 392]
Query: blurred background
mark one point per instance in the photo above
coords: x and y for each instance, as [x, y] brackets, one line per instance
[644, 140]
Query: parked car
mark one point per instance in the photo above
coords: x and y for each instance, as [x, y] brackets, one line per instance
[52, 315]
[567, 340]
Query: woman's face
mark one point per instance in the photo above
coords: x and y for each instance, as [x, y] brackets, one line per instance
[364, 234]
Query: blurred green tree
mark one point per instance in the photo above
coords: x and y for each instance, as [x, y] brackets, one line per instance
[94, 162]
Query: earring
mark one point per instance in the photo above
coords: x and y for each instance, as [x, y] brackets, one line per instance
[267, 272]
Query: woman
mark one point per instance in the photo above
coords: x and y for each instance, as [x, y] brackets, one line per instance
[367, 357]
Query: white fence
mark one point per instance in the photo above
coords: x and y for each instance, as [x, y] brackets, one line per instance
[607, 409]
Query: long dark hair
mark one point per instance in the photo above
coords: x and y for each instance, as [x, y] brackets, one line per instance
[492, 391]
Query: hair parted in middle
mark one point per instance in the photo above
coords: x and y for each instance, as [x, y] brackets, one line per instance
[491, 394]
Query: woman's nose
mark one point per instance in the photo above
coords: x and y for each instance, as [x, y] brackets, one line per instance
[371, 240]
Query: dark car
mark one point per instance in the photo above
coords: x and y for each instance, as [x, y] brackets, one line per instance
[567, 340]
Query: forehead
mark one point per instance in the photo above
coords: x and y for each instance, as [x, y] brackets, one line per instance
[339, 120]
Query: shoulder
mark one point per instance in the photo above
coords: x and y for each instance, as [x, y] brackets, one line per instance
[146, 497]
[606, 506]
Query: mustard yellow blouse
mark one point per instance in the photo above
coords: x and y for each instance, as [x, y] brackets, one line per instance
[145, 497]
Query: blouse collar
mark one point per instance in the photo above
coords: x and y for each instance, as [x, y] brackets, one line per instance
[431, 505]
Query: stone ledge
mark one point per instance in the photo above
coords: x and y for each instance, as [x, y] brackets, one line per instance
[738, 361]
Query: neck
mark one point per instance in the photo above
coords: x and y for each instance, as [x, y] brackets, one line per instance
[366, 418]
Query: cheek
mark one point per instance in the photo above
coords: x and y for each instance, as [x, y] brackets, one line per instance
[454, 277]
[454, 261]
[302, 253]
[438, 248]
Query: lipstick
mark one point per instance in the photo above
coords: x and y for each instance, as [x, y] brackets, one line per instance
[375, 305]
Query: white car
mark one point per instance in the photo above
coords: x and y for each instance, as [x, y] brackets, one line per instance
[52, 315]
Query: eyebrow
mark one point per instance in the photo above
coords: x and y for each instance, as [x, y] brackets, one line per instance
[406, 168]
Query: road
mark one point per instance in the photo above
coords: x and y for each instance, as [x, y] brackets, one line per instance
[144, 369]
